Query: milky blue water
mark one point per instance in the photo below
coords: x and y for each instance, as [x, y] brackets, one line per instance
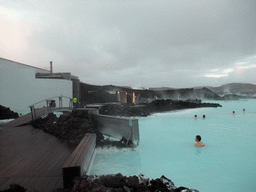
[227, 163]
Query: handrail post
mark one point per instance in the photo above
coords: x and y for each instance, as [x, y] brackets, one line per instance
[34, 112]
[60, 102]
[47, 105]
[31, 109]
[71, 103]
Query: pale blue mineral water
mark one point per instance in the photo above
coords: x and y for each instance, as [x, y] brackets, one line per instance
[227, 163]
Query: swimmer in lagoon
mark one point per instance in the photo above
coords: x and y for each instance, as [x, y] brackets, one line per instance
[199, 143]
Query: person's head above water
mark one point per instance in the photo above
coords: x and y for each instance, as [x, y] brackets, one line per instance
[199, 143]
[198, 137]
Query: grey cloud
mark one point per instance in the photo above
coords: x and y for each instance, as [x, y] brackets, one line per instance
[147, 43]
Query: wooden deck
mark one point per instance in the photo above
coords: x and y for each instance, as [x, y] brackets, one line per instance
[78, 163]
[31, 158]
[26, 118]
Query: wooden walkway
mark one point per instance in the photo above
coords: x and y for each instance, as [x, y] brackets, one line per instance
[31, 158]
[26, 118]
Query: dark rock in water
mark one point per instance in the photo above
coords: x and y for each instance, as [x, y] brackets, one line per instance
[169, 184]
[181, 189]
[133, 182]
[120, 144]
[144, 179]
[168, 105]
[6, 113]
[127, 110]
[114, 181]
[184, 189]
[157, 184]
[118, 182]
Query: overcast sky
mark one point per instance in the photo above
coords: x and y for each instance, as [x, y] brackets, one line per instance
[151, 43]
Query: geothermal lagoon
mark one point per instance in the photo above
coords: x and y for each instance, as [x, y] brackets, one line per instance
[166, 147]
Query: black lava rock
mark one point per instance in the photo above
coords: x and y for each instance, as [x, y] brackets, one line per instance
[6, 113]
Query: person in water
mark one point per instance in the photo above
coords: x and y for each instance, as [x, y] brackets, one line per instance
[199, 143]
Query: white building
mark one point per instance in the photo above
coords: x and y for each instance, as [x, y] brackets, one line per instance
[23, 85]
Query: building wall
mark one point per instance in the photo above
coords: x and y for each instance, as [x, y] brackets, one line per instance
[19, 88]
[127, 97]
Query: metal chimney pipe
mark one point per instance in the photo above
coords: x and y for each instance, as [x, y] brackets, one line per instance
[51, 67]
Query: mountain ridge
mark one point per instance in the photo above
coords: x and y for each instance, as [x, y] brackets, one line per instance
[228, 88]
[235, 88]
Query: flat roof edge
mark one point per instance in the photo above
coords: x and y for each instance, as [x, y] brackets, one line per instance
[25, 64]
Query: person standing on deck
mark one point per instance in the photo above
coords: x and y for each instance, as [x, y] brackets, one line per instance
[199, 143]
[75, 102]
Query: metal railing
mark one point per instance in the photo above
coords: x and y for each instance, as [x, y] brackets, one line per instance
[118, 127]
[113, 126]
[51, 104]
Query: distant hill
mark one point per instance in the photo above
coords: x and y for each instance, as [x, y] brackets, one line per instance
[235, 88]
[107, 93]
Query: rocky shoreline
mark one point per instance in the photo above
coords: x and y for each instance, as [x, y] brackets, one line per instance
[146, 109]
[6, 113]
[115, 183]
[120, 183]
